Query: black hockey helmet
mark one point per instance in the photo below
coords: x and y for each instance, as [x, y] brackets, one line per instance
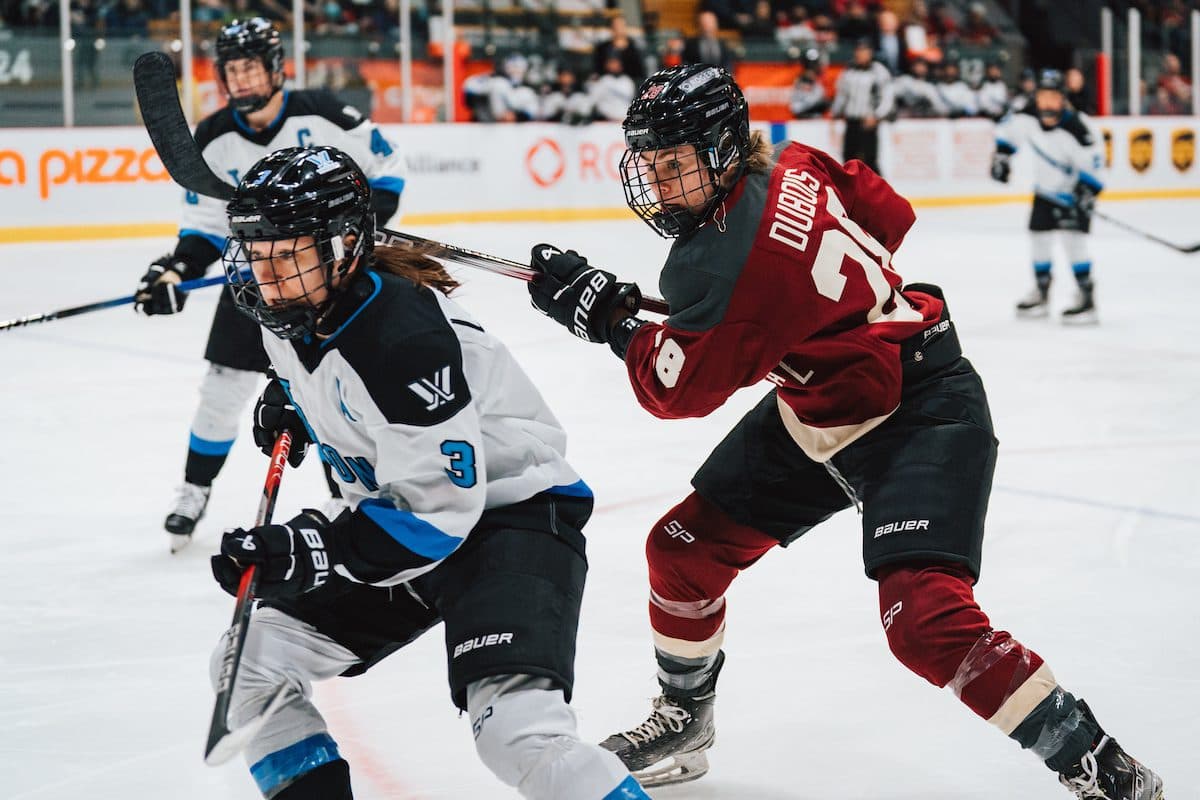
[314, 192]
[1050, 79]
[1050, 111]
[255, 39]
[697, 105]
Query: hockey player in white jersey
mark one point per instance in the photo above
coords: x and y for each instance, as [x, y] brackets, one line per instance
[1068, 163]
[261, 117]
[463, 508]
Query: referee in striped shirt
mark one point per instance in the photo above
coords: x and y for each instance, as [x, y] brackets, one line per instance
[864, 97]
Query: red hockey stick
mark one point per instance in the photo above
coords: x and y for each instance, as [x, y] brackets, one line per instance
[223, 743]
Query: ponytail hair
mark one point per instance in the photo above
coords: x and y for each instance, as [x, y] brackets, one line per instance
[417, 264]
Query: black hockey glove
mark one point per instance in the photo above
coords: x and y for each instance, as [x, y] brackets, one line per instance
[577, 296]
[1085, 199]
[157, 292]
[275, 413]
[292, 558]
[1000, 166]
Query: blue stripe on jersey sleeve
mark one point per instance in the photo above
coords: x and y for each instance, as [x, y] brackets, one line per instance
[576, 489]
[388, 183]
[208, 447]
[1088, 179]
[292, 761]
[216, 241]
[413, 533]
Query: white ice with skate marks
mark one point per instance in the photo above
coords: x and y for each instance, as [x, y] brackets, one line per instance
[1091, 557]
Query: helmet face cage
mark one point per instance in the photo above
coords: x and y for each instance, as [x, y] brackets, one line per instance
[290, 219]
[694, 110]
[258, 40]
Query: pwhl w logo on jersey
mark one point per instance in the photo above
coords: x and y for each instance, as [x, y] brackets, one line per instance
[434, 391]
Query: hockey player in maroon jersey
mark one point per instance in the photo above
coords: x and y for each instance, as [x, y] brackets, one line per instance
[781, 268]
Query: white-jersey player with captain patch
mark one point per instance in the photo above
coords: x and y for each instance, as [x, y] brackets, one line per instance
[261, 117]
[1067, 153]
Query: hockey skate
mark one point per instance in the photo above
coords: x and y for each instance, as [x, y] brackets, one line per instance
[190, 502]
[1036, 304]
[1107, 772]
[1084, 310]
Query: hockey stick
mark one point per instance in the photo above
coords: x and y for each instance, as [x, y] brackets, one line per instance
[223, 743]
[1180, 248]
[49, 316]
[154, 81]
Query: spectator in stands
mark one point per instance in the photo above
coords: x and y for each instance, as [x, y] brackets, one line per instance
[565, 101]
[955, 92]
[824, 32]
[707, 47]
[126, 18]
[503, 95]
[761, 27]
[1172, 79]
[944, 25]
[809, 98]
[612, 92]
[992, 97]
[792, 28]
[977, 30]
[890, 49]
[85, 24]
[916, 96]
[864, 97]
[856, 24]
[1076, 92]
[633, 63]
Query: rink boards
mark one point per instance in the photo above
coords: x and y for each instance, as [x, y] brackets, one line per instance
[65, 184]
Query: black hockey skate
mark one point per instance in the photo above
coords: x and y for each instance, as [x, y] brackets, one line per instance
[190, 502]
[1107, 772]
[1036, 303]
[669, 747]
[1084, 310]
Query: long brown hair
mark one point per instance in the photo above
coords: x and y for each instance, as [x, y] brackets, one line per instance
[761, 157]
[417, 264]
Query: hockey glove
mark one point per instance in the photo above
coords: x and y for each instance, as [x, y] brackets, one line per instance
[156, 292]
[577, 296]
[1000, 166]
[275, 413]
[292, 559]
[1085, 199]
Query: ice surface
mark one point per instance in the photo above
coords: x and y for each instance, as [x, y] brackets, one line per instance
[1092, 554]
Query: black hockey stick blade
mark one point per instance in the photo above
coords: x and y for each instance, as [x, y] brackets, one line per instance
[1179, 248]
[158, 99]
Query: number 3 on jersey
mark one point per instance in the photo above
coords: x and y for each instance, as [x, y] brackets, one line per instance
[853, 243]
[462, 463]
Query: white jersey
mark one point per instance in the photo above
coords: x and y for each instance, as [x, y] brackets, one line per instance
[427, 421]
[1064, 155]
[315, 116]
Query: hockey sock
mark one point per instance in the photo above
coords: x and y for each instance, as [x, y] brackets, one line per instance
[1041, 274]
[204, 460]
[310, 769]
[1083, 274]
[1057, 730]
[688, 677]
[330, 781]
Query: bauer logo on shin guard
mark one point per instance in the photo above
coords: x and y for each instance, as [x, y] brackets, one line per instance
[486, 640]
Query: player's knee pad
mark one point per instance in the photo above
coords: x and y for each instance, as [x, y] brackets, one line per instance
[525, 733]
[224, 394]
[1041, 246]
[937, 630]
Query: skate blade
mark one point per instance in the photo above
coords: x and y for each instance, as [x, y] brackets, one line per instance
[1086, 318]
[179, 541]
[675, 769]
[1040, 312]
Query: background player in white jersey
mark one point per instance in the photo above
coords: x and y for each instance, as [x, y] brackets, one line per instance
[1068, 163]
[261, 116]
[463, 506]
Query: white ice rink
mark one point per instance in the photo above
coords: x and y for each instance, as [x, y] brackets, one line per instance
[1092, 555]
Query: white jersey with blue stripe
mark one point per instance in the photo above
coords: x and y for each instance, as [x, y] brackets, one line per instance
[1069, 153]
[308, 116]
[426, 419]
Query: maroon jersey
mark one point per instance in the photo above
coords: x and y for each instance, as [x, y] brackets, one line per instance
[796, 278]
